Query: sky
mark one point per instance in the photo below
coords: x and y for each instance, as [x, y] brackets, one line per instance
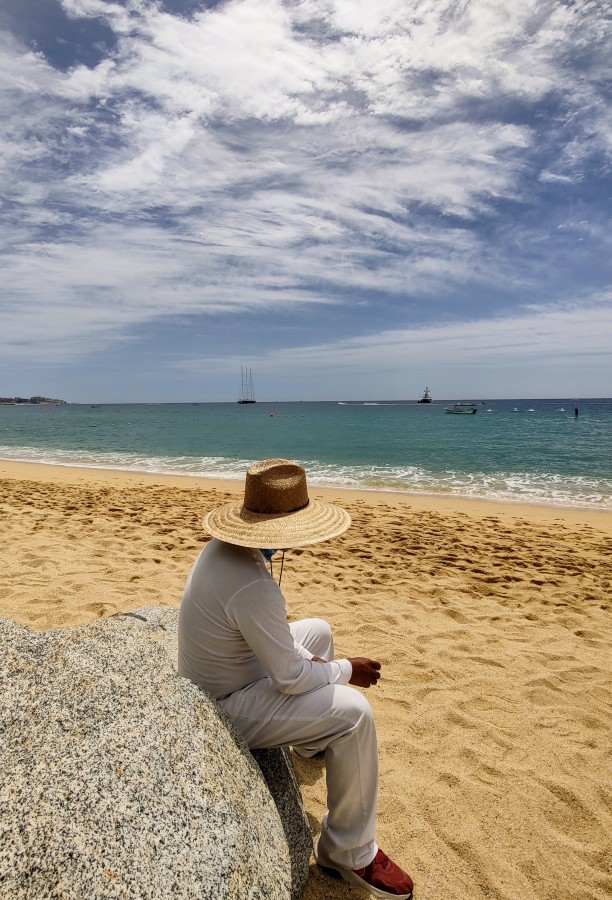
[353, 198]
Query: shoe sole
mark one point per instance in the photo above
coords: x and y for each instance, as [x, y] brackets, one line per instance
[353, 878]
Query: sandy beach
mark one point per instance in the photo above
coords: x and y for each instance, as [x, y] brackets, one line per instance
[492, 624]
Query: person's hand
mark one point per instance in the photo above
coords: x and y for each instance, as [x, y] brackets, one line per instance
[366, 672]
[317, 659]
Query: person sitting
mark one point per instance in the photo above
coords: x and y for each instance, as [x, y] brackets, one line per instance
[279, 682]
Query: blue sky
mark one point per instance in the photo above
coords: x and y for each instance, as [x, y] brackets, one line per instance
[353, 198]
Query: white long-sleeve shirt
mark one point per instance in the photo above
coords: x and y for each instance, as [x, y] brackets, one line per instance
[233, 628]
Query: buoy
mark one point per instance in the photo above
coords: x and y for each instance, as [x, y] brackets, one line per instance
[271, 415]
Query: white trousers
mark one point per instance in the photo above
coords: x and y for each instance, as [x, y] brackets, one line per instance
[336, 719]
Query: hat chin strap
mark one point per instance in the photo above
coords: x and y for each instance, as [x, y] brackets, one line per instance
[280, 574]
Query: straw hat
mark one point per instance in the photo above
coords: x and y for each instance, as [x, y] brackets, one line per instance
[276, 512]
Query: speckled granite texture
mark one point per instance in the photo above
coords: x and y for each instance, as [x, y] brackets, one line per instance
[118, 779]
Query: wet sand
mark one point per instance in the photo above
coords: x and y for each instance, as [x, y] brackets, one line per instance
[492, 624]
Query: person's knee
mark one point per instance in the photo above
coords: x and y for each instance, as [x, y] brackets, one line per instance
[321, 628]
[354, 706]
[315, 635]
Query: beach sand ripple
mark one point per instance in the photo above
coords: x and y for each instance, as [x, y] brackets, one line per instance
[493, 630]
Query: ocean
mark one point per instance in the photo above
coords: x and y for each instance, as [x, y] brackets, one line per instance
[531, 451]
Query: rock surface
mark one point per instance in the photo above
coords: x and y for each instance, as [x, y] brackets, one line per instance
[121, 780]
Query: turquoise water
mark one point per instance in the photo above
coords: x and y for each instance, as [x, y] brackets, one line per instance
[517, 450]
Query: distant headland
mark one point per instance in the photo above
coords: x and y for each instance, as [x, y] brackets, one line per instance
[29, 401]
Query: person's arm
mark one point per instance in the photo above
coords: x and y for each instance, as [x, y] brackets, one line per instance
[364, 672]
[258, 611]
[342, 669]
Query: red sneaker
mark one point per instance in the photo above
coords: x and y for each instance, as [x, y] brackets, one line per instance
[382, 878]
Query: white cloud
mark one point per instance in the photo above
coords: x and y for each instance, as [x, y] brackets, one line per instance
[529, 338]
[268, 153]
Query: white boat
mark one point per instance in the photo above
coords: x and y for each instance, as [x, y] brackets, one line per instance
[426, 398]
[247, 391]
[461, 409]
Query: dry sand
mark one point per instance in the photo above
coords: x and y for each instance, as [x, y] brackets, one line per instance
[492, 624]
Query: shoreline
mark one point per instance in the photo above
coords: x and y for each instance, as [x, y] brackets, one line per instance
[444, 503]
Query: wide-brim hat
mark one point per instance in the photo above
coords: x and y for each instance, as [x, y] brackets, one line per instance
[276, 512]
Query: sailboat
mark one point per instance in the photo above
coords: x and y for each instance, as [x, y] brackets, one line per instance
[247, 391]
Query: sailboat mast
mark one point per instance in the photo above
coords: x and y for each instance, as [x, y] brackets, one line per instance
[247, 391]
